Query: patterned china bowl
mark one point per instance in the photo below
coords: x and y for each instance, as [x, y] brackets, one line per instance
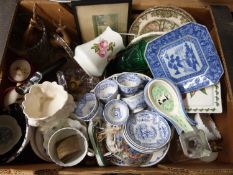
[87, 106]
[106, 90]
[98, 113]
[116, 112]
[129, 83]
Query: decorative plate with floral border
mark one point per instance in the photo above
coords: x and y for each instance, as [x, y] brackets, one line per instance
[159, 19]
[206, 100]
[187, 56]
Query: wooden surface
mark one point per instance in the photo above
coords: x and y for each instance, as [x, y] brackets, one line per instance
[112, 170]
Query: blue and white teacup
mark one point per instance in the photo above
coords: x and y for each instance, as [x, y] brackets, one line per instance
[98, 113]
[87, 106]
[129, 83]
[106, 90]
[136, 102]
[116, 112]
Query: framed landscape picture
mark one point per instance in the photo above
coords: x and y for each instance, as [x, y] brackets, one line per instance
[93, 17]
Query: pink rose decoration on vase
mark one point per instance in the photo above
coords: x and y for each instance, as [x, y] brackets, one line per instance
[103, 44]
[103, 47]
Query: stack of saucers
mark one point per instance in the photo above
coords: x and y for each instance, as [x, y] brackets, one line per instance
[147, 132]
[122, 154]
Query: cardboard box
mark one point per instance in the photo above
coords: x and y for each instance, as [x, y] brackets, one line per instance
[218, 20]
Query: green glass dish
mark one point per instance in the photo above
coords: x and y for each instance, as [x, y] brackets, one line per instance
[132, 58]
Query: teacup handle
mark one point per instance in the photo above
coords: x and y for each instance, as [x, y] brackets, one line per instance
[118, 97]
[90, 152]
[108, 154]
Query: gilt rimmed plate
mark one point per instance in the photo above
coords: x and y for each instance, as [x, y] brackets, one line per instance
[159, 19]
[187, 56]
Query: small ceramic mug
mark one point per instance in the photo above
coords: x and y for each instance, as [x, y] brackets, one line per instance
[80, 143]
[136, 102]
[94, 55]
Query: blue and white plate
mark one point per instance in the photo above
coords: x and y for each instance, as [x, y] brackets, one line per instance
[157, 156]
[147, 130]
[187, 56]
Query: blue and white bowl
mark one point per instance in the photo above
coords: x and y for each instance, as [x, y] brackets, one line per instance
[98, 113]
[147, 130]
[136, 102]
[106, 90]
[116, 112]
[129, 83]
[87, 106]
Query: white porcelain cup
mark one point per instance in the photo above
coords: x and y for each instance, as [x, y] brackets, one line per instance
[75, 158]
[94, 55]
[136, 102]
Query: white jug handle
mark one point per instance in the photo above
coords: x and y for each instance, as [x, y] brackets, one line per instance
[90, 153]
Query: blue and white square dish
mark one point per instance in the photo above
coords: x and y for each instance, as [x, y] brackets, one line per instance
[187, 56]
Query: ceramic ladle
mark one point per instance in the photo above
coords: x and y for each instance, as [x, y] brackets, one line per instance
[166, 99]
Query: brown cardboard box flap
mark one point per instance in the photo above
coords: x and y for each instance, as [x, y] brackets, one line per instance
[223, 24]
[7, 13]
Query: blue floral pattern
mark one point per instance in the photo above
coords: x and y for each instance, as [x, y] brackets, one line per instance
[187, 56]
[148, 130]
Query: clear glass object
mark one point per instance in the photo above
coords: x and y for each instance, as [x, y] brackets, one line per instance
[195, 144]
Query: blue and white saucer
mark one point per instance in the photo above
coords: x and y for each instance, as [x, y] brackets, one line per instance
[157, 156]
[187, 56]
[147, 131]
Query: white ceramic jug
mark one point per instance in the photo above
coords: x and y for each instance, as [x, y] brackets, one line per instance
[94, 55]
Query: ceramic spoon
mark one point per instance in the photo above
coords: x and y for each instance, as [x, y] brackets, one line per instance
[166, 99]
